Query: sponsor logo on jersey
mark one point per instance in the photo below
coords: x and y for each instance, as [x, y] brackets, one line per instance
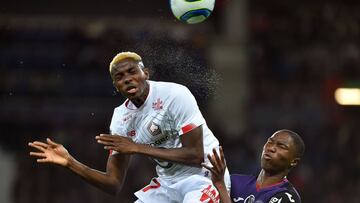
[248, 199]
[158, 105]
[210, 194]
[160, 141]
[238, 199]
[154, 129]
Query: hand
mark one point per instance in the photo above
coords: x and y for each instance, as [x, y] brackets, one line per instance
[50, 152]
[218, 168]
[118, 143]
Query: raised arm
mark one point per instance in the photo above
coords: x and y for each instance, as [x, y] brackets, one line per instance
[110, 181]
[191, 153]
[217, 174]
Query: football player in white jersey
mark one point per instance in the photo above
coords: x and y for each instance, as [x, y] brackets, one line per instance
[160, 120]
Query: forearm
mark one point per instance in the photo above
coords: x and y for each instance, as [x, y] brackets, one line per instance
[184, 155]
[97, 178]
[224, 195]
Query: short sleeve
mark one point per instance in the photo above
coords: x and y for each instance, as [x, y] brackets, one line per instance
[185, 111]
[285, 197]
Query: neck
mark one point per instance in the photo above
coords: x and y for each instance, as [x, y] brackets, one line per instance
[266, 178]
[138, 101]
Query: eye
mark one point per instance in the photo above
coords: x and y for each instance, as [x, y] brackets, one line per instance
[282, 146]
[132, 70]
[118, 77]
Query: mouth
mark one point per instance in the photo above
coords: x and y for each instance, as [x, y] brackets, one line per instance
[267, 156]
[131, 90]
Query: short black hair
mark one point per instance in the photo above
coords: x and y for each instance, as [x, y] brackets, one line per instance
[298, 142]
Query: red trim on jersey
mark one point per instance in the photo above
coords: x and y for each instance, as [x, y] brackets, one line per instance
[157, 185]
[272, 185]
[127, 103]
[110, 152]
[188, 128]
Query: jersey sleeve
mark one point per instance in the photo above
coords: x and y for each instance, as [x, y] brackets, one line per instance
[285, 197]
[114, 124]
[185, 111]
[115, 127]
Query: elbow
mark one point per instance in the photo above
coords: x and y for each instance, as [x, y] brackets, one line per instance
[198, 159]
[114, 188]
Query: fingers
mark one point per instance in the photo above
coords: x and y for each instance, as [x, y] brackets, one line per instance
[105, 142]
[216, 156]
[38, 145]
[38, 154]
[222, 156]
[110, 148]
[207, 167]
[106, 137]
[50, 142]
[42, 160]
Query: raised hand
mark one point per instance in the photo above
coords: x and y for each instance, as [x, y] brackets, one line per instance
[50, 152]
[218, 168]
[117, 143]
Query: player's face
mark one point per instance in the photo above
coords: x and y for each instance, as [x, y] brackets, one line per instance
[130, 79]
[278, 153]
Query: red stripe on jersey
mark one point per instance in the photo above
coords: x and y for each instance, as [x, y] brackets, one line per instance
[157, 185]
[110, 152]
[188, 128]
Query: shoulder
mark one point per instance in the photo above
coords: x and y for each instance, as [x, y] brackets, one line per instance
[169, 87]
[241, 177]
[240, 180]
[287, 196]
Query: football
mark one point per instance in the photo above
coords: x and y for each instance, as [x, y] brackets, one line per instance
[192, 11]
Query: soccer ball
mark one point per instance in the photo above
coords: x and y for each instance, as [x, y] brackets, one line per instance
[192, 11]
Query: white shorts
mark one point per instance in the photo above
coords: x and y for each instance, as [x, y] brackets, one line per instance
[192, 189]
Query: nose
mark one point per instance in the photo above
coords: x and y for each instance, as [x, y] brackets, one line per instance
[270, 148]
[127, 80]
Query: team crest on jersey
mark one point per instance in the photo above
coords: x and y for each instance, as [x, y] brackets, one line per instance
[158, 105]
[131, 133]
[154, 129]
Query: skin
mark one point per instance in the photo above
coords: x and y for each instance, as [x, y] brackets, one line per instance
[277, 159]
[131, 81]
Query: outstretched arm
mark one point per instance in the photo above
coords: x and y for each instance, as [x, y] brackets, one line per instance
[217, 174]
[191, 152]
[110, 181]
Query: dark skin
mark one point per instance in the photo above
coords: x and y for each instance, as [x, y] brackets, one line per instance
[277, 159]
[131, 81]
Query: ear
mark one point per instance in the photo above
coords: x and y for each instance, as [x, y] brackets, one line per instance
[115, 86]
[146, 72]
[294, 162]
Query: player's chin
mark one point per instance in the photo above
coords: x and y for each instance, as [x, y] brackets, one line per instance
[131, 96]
[266, 164]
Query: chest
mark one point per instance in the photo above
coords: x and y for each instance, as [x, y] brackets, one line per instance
[247, 193]
[154, 126]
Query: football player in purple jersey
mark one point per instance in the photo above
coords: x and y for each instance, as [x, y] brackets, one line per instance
[282, 151]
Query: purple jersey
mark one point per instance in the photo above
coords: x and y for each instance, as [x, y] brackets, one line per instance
[244, 190]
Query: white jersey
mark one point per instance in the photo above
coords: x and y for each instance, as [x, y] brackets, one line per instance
[169, 111]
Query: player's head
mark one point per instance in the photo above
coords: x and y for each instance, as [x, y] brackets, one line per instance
[129, 75]
[282, 151]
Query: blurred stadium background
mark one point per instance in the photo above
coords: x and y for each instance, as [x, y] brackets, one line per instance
[254, 66]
